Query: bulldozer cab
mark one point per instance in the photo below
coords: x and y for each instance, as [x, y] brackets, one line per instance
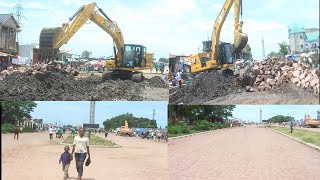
[134, 56]
[225, 54]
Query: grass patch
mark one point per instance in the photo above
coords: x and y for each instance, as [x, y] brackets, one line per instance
[94, 140]
[304, 135]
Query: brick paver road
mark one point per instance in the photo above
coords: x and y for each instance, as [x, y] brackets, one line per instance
[247, 153]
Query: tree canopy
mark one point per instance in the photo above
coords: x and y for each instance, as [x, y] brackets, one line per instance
[273, 54]
[86, 54]
[283, 48]
[199, 112]
[248, 50]
[164, 60]
[13, 111]
[133, 122]
[281, 118]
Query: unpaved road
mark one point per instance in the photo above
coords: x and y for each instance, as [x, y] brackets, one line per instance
[35, 157]
[242, 153]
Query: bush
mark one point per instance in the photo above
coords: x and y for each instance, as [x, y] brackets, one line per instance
[28, 129]
[221, 125]
[202, 125]
[7, 128]
[179, 128]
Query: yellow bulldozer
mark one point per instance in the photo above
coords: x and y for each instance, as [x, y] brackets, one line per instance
[309, 122]
[220, 55]
[128, 60]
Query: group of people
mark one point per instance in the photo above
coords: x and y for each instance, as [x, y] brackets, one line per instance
[177, 80]
[58, 131]
[159, 66]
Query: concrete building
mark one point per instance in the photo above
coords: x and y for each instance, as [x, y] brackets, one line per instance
[29, 51]
[303, 40]
[8, 35]
[32, 123]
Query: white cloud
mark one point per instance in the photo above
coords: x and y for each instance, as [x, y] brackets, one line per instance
[7, 4]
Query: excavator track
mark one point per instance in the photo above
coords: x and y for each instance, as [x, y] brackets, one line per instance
[47, 37]
[240, 42]
[124, 75]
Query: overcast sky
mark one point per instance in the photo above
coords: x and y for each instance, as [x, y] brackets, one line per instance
[78, 112]
[252, 112]
[167, 26]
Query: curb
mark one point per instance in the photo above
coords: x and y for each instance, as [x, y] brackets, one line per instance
[178, 137]
[300, 141]
[62, 142]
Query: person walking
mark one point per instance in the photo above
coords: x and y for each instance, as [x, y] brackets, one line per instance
[106, 134]
[51, 133]
[80, 149]
[291, 126]
[65, 158]
[16, 132]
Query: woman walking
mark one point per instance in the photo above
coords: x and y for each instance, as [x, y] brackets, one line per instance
[80, 149]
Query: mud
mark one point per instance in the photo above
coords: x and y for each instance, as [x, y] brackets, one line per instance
[62, 87]
[157, 82]
[205, 87]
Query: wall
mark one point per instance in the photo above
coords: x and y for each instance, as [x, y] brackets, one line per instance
[297, 40]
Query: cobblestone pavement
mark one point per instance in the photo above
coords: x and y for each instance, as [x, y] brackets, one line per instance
[246, 153]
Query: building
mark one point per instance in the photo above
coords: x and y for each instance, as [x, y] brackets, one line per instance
[303, 40]
[30, 52]
[32, 123]
[8, 34]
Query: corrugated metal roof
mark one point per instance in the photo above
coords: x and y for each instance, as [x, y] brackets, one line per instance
[4, 17]
[295, 28]
[313, 36]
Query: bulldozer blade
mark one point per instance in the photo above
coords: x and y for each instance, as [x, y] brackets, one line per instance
[240, 42]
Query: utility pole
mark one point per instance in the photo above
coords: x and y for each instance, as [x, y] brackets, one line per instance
[263, 50]
[19, 15]
[153, 114]
[92, 111]
[260, 115]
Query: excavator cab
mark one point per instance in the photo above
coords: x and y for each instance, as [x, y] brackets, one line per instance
[133, 56]
[225, 53]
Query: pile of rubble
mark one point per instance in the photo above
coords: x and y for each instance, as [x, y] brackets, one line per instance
[205, 87]
[274, 72]
[55, 66]
[158, 82]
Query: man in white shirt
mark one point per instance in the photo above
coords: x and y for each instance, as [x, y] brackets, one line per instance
[80, 149]
[178, 78]
[50, 133]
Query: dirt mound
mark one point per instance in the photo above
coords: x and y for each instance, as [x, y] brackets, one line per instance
[58, 86]
[205, 87]
[157, 81]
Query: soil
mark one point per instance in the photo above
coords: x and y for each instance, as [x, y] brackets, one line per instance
[205, 87]
[157, 81]
[58, 86]
[215, 88]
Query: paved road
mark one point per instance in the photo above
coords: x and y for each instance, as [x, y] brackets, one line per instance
[242, 153]
[35, 157]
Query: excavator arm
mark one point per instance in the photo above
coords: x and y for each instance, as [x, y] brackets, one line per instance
[240, 39]
[51, 39]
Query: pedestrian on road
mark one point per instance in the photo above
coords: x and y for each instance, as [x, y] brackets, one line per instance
[50, 133]
[16, 132]
[105, 134]
[80, 149]
[65, 158]
[291, 127]
[89, 133]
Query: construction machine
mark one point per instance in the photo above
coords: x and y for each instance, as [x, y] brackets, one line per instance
[220, 55]
[125, 130]
[309, 122]
[128, 60]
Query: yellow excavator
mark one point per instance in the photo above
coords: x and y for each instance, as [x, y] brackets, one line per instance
[220, 55]
[128, 60]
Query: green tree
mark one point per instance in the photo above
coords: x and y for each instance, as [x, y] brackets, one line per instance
[13, 111]
[281, 118]
[136, 122]
[283, 48]
[164, 60]
[248, 51]
[86, 54]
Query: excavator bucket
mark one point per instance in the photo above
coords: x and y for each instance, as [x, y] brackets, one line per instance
[47, 38]
[240, 41]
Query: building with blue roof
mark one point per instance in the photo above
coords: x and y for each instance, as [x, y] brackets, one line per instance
[303, 40]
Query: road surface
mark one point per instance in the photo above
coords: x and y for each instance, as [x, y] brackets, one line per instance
[246, 153]
[35, 157]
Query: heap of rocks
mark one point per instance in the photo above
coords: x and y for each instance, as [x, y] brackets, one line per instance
[273, 72]
[55, 66]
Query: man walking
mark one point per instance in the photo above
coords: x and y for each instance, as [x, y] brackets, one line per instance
[16, 132]
[50, 133]
[291, 126]
[80, 149]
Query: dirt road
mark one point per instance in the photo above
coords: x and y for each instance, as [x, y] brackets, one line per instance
[242, 153]
[35, 157]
